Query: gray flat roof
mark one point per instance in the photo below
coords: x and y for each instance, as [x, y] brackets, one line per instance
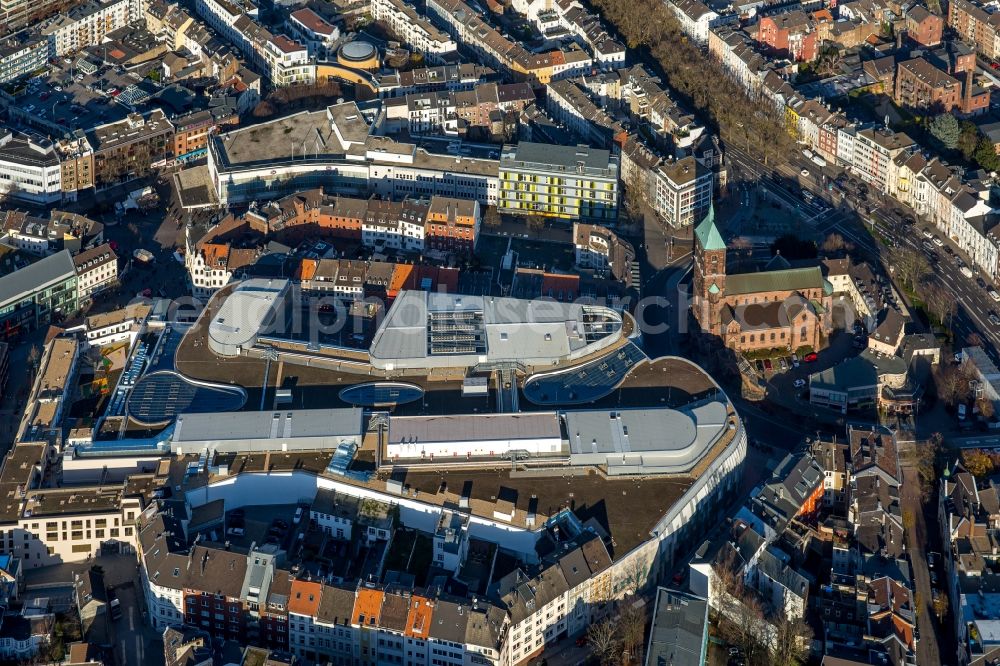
[43, 273]
[474, 427]
[515, 329]
[303, 428]
[307, 133]
[668, 440]
[529, 154]
[678, 632]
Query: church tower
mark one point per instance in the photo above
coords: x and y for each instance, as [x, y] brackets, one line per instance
[709, 284]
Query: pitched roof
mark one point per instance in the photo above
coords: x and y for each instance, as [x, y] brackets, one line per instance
[793, 279]
[708, 234]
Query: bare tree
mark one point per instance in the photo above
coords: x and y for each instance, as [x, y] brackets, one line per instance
[791, 641]
[632, 626]
[974, 340]
[535, 222]
[952, 383]
[926, 454]
[491, 218]
[747, 627]
[941, 606]
[604, 641]
[635, 575]
[264, 109]
[34, 354]
[909, 265]
[985, 406]
[635, 201]
[835, 243]
[940, 302]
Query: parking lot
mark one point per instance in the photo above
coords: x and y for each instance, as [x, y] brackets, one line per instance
[263, 524]
[69, 98]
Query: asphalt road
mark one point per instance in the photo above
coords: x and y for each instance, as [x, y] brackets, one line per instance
[919, 540]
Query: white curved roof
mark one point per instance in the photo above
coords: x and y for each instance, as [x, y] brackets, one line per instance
[246, 311]
[657, 440]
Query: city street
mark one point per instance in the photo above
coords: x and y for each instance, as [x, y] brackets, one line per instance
[919, 541]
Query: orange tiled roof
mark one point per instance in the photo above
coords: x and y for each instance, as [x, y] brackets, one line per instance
[215, 254]
[306, 269]
[418, 620]
[367, 605]
[305, 597]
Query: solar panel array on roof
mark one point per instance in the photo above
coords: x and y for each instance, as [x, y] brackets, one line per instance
[456, 332]
[163, 395]
[585, 383]
[381, 393]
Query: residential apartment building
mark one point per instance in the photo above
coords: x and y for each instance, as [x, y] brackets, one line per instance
[120, 325]
[96, 270]
[873, 153]
[568, 103]
[191, 132]
[288, 62]
[922, 86]
[87, 24]
[682, 191]
[923, 27]
[30, 168]
[695, 18]
[479, 110]
[410, 26]
[21, 54]
[32, 296]
[51, 394]
[432, 79]
[598, 248]
[977, 24]
[73, 524]
[789, 35]
[558, 181]
[318, 35]
[471, 29]
[282, 59]
[131, 148]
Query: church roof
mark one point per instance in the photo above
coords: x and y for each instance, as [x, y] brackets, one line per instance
[777, 262]
[708, 234]
[793, 279]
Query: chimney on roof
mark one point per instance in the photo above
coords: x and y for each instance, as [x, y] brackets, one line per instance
[967, 93]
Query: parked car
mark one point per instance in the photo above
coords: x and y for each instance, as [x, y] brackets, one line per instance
[937, 241]
[114, 605]
[993, 294]
[994, 319]
[810, 357]
[781, 362]
[767, 364]
[981, 282]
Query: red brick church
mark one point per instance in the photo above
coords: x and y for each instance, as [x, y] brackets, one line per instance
[778, 307]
